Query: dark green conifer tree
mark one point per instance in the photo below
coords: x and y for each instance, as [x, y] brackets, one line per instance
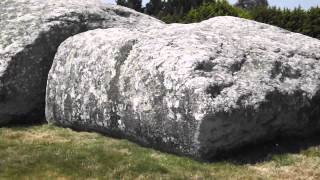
[122, 2]
[133, 4]
[154, 7]
[250, 4]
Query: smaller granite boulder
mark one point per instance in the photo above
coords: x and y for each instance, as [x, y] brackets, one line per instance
[30, 33]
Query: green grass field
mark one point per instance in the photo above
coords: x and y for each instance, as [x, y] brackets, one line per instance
[49, 152]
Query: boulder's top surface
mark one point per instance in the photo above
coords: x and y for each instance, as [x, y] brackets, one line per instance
[247, 59]
[192, 89]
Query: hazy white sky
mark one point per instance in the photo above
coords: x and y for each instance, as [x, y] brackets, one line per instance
[280, 3]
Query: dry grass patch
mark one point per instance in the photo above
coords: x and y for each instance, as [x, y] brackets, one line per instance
[49, 152]
[300, 167]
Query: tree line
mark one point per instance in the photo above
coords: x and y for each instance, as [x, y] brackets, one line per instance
[188, 11]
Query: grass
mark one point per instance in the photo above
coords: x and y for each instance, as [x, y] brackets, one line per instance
[49, 152]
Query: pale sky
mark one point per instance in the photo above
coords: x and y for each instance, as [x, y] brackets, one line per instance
[280, 3]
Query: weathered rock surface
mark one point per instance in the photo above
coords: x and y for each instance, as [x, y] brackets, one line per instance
[192, 89]
[31, 31]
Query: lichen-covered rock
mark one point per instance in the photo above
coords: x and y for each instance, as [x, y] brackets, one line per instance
[31, 31]
[192, 89]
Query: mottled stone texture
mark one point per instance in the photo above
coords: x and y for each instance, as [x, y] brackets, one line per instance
[31, 31]
[194, 89]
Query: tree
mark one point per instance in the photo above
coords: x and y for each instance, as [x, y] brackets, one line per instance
[251, 4]
[212, 9]
[122, 3]
[133, 4]
[312, 24]
[153, 7]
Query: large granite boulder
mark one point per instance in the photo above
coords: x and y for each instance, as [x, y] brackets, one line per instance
[195, 89]
[31, 31]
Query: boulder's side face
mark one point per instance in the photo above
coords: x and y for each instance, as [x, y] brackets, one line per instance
[192, 89]
[31, 31]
